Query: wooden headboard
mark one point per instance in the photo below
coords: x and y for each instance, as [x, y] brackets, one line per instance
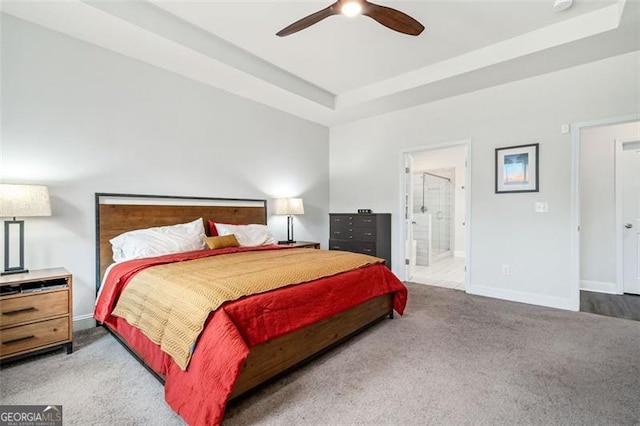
[118, 213]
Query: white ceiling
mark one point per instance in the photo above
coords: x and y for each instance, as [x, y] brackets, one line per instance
[344, 69]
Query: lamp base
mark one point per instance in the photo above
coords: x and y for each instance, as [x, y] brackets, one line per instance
[287, 242]
[13, 267]
[14, 271]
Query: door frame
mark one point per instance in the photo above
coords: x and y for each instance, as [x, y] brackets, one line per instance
[619, 221]
[576, 130]
[401, 248]
[407, 215]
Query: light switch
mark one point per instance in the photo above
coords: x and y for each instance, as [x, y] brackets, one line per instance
[542, 207]
[564, 129]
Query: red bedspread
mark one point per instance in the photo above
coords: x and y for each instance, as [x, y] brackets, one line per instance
[200, 393]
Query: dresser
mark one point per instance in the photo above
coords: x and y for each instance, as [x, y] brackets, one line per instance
[35, 312]
[361, 233]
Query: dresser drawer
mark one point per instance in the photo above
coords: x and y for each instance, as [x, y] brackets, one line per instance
[355, 234]
[363, 234]
[33, 307]
[340, 220]
[364, 221]
[365, 248]
[33, 336]
[340, 245]
[352, 221]
[353, 246]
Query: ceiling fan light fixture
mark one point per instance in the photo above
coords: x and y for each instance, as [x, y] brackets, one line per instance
[387, 16]
[560, 5]
[351, 8]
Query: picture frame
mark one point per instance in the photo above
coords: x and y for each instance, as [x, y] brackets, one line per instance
[517, 169]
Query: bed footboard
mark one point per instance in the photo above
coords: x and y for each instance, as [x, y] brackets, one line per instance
[276, 357]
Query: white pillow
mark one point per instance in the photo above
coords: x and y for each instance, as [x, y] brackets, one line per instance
[159, 240]
[247, 235]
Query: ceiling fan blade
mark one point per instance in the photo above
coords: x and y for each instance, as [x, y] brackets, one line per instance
[307, 21]
[392, 18]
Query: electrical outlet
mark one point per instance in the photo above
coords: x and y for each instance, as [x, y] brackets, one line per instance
[506, 269]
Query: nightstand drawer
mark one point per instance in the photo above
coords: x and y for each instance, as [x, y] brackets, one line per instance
[33, 336]
[32, 307]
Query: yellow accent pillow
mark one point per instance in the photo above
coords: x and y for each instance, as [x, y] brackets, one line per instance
[222, 242]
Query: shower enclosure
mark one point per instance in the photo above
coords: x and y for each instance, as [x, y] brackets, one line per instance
[433, 206]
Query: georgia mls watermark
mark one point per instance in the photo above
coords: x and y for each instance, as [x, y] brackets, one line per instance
[30, 415]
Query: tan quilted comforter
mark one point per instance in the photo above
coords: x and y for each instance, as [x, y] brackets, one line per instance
[170, 303]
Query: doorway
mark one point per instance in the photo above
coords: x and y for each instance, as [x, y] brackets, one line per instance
[628, 212]
[436, 209]
[606, 190]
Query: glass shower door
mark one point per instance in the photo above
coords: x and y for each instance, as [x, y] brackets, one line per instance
[439, 202]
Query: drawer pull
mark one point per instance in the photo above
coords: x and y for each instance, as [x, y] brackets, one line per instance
[336, 232]
[19, 339]
[19, 311]
[368, 234]
[368, 250]
[368, 220]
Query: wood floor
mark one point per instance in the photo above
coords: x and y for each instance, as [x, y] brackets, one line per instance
[625, 306]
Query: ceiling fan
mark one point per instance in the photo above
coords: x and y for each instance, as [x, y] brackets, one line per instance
[390, 18]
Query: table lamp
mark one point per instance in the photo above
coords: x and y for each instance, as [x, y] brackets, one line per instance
[20, 201]
[289, 207]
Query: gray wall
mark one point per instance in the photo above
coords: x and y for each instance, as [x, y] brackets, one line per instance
[366, 169]
[82, 120]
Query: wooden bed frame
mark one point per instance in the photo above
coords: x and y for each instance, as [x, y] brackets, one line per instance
[118, 213]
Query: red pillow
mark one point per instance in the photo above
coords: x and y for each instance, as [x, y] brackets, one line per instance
[213, 232]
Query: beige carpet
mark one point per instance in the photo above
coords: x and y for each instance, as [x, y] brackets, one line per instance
[452, 359]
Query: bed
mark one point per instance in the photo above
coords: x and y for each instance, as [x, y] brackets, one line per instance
[263, 335]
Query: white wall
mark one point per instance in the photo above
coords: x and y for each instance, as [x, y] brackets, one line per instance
[365, 168]
[453, 157]
[597, 204]
[82, 120]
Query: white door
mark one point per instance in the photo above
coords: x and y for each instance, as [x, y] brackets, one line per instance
[410, 260]
[630, 192]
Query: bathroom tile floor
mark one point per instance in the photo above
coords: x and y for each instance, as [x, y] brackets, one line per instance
[446, 272]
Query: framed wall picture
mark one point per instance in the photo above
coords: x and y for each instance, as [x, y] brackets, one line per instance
[517, 169]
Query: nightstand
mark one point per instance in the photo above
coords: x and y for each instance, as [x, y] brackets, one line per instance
[301, 244]
[36, 311]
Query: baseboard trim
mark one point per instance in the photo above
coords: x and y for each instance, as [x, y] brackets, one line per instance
[599, 286]
[83, 322]
[523, 297]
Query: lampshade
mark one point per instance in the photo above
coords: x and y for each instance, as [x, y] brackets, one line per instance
[289, 206]
[24, 200]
